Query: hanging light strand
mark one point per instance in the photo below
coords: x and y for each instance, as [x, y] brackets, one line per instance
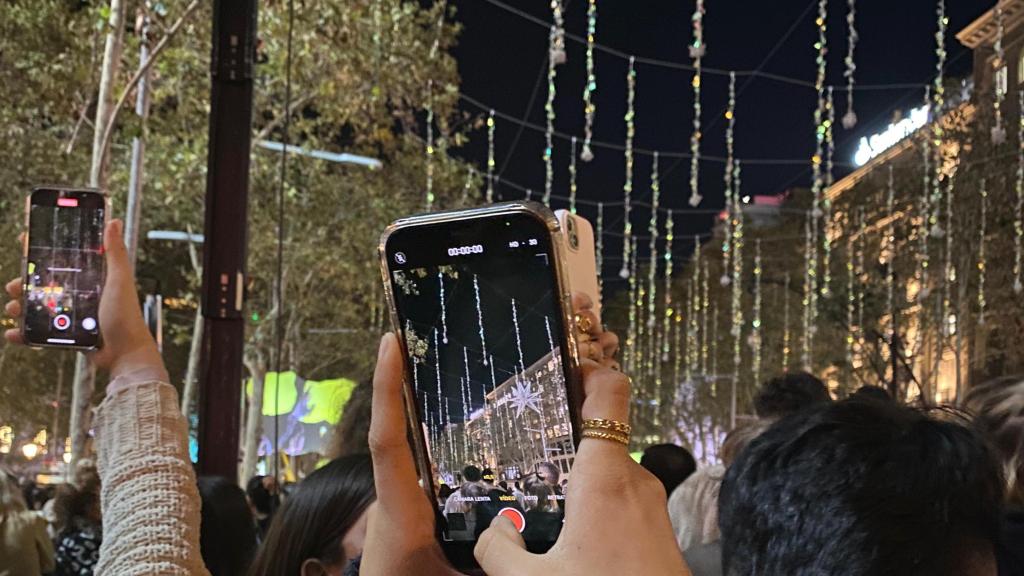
[737, 282]
[572, 177]
[731, 205]
[667, 287]
[705, 306]
[830, 149]
[1018, 214]
[490, 157]
[785, 327]
[982, 258]
[819, 112]
[755, 323]
[599, 247]
[949, 277]
[652, 230]
[697, 50]
[890, 260]
[859, 285]
[998, 131]
[589, 107]
[556, 55]
[467, 187]
[925, 211]
[938, 105]
[430, 146]
[850, 117]
[627, 189]
[851, 301]
[692, 343]
[810, 289]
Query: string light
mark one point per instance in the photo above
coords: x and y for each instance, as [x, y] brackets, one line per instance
[667, 286]
[924, 232]
[851, 301]
[785, 327]
[697, 50]
[634, 306]
[572, 177]
[627, 189]
[549, 106]
[809, 293]
[755, 324]
[652, 229]
[557, 55]
[692, 343]
[467, 186]
[737, 283]
[830, 149]
[1018, 215]
[950, 272]
[850, 118]
[998, 132]
[589, 107]
[890, 258]
[712, 371]
[430, 145]
[600, 246]
[819, 112]
[691, 315]
[859, 285]
[705, 305]
[490, 157]
[731, 205]
[938, 105]
[982, 263]
[631, 326]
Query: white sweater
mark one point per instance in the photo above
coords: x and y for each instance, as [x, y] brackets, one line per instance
[149, 496]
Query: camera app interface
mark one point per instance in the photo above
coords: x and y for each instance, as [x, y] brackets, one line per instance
[480, 314]
[64, 271]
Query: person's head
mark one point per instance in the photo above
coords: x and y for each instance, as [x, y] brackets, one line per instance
[322, 526]
[872, 393]
[538, 493]
[227, 534]
[11, 500]
[789, 393]
[503, 485]
[998, 410]
[671, 464]
[488, 476]
[738, 439]
[693, 507]
[77, 507]
[471, 473]
[443, 492]
[549, 473]
[857, 488]
[262, 493]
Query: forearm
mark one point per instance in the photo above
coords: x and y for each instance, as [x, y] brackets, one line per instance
[149, 495]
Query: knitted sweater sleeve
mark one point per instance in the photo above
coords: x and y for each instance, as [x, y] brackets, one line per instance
[149, 496]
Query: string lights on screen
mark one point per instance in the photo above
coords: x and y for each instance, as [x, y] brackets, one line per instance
[490, 157]
[850, 117]
[697, 50]
[589, 107]
[627, 189]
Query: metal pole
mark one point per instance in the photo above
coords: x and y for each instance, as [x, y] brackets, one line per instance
[227, 191]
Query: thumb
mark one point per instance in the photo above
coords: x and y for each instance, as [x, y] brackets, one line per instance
[501, 550]
[118, 266]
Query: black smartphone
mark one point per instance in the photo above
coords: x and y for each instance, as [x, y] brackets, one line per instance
[64, 267]
[493, 390]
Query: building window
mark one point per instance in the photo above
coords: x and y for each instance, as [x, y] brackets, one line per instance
[1001, 81]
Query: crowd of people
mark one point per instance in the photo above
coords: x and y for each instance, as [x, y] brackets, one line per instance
[814, 486]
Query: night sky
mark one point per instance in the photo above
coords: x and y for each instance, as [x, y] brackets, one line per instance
[503, 63]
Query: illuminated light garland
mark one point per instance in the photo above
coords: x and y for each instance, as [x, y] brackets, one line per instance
[490, 157]
[890, 260]
[641, 322]
[631, 326]
[1018, 215]
[982, 261]
[998, 131]
[924, 229]
[652, 229]
[830, 150]
[480, 318]
[599, 247]
[786, 349]
[705, 305]
[755, 324]
[557, 54]
[712, 371]
[677, 357]
[819, 112]
[589, 107]
[633, 306]
[737, 285]
[464, 201]
[549, 106]
[950, 272]
[690, 330]
[667, 286]
[850, 118]
[851, 302]
[692, 342]
[731, 205]
[697, 50]
[860, 284]
[572, 177]
[810, 292]
[444, 306]
[627, 189]
[430, 145]
[938, 105]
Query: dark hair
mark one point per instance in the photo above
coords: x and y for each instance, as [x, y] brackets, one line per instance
[261, 498]
[789, 393]
[857, 488]
[75, 508]
[998, 410]
[315, 519]
[227, 534]
[504, 485]
[444, 491]
[671, 464]
[869, 392]
[471, 473]
[351, 434]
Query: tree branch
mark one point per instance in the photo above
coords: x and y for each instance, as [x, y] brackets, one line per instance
[109, 129]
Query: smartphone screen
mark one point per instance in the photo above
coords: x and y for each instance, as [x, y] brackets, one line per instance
[64, 268]
[480, 309]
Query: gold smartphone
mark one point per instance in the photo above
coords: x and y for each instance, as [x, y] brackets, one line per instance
[64, 267]
[481, 303]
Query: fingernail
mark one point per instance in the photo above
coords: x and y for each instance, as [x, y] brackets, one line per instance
[385, 344]
[117, 226]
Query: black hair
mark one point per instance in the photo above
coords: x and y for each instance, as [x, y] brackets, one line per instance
[314, 520]
[471, 473]
[869, 392]
[444, 491]
[859, 488]
[261, 498]
[227, 534]
[671, 464]
[789, 393]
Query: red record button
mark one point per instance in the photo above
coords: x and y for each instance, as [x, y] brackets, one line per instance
[515, 516]
[61, 322]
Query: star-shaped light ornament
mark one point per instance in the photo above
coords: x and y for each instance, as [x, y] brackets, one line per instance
[523, 396]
